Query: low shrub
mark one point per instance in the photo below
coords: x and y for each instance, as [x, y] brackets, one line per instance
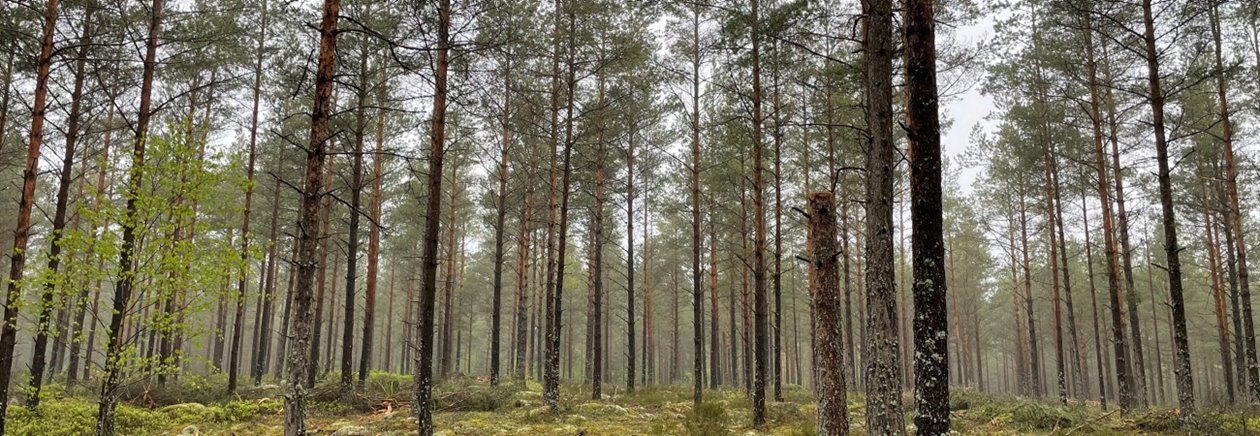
[1040, 416]
[475, 398]
[708, 419]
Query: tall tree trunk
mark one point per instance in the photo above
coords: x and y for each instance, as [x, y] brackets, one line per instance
[300, 363]
[1234, 218]
[760, 309]
[423, 409]
[1138, 375]
[1158, 393]
[241, 289]
[1078, 359]
[1181, 342]
[1218, 297]
[114, 358]
[8, 333]
[597, 250]
[374, 241]
[331, 339]
[267, 295]
[550, 396]
[282, 348]
[38, 360]
[521, 330]
[746, 303]
[1034, 350]
[630, 347]
[825, 292]
[715, 339]
[352, 239]
[388, 359]
[321, 277]
[448, 285]
[931, 346]
[1051, 225]
[697, 294]
[1124, 379]
[1093, 297]
[649, 363]
[883, 366]
[500, 218]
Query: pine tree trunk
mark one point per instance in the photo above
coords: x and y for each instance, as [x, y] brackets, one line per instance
[1181, 342]
[352, 239]
[267, 296]
[496, 305]
[1124, 379]
[1078, 359]
[1218, 297]
[931, 346]
[38, 360]
[331, 340]
[300, 363]
[1034, 350]
[552, 396]
[1213, 244]
[883, 366]
[321, 277]
[282, 348]
[448, 284]
[423, 409]
[597, 251]
[697, 293]
[522, 282]
[1093, 297]
[760, 309]
[630, 344]
[649, 365]
[850, 349]
[1121, 218]
[825, 292]
[374, 242]
[674, 371]
[1234, 218]
[1051, 226]
[715, 338]
[777, 274]
[388, 359]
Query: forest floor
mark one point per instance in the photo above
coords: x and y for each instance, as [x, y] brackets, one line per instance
[466, 406]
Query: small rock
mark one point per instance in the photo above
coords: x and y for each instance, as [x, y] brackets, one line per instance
[190, 431]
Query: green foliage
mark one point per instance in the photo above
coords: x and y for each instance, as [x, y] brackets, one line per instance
[1034, 415]
[709, 419]
[75, 416]
[967, 399]
[388, 384]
